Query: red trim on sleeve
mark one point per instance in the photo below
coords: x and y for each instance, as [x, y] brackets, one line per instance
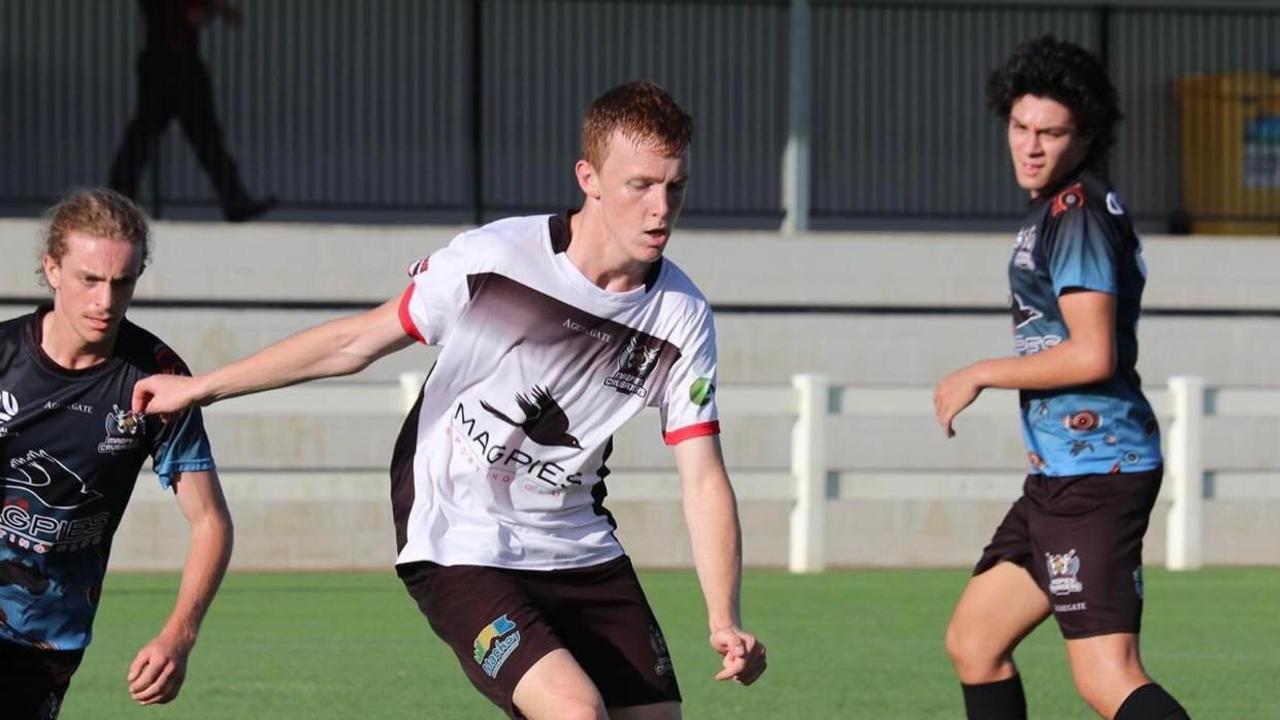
[406, 320]
[691, 431]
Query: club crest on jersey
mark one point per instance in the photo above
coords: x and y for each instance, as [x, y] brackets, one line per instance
[1062, 573]
[1072, 197]
[125, 430]
[494, 645]
[635, 362]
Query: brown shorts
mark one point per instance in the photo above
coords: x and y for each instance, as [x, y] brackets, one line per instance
[33, 681]
[500, 622]
[1080, 537]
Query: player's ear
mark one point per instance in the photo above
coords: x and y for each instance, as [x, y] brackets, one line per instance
[588, 179]
[52, 272]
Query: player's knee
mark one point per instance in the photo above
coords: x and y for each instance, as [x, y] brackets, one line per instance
[564, 704]
[1103, 690]
[964, 646]
[581, 709]
[975, 658]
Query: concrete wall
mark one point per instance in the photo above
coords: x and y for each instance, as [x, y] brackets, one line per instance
[305, 468]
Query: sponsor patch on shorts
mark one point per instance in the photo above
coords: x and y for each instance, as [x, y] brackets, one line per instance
[495, 643]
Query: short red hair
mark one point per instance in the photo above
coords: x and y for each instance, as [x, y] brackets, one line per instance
[644, 113]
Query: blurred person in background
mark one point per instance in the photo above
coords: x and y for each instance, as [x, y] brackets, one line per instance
[174, 81]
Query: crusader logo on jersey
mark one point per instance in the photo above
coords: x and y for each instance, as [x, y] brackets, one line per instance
[544, 421]
[124, 431]
[635, 362]
[51, 482]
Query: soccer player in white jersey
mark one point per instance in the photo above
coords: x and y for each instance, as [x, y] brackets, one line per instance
[554, 331]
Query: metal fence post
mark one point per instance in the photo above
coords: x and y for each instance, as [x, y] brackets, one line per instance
[410, 385]
[1186, 474]
[795, 157]
[809, 470]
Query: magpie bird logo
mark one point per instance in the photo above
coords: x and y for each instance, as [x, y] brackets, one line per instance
[544, 421]
[51, 482]
[1022, 312]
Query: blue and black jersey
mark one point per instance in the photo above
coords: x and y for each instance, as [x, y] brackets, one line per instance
[1081, 238]
[70, 451]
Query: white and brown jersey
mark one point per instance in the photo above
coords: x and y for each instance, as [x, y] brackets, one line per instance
[501, 462]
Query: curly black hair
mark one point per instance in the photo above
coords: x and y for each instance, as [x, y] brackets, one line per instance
[1048, 67]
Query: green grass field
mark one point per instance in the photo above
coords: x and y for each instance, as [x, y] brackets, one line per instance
[841, 645]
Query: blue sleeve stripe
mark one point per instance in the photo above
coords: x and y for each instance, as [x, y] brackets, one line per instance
[166, 471]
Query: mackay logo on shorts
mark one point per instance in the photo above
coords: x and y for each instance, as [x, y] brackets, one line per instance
[1062, 573]
[495, 643]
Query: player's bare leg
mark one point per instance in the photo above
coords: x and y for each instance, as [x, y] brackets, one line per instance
[1107, 669]
[557, 688]
[656, 711]
[995, 612]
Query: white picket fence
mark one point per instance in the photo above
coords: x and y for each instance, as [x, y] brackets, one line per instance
[822, 443]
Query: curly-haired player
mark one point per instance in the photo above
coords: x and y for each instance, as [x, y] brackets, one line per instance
[1071, 546]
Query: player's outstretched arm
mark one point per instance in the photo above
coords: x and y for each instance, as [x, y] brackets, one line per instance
[711, 512]
[1087, 355]
[339, 347]
[160, 667]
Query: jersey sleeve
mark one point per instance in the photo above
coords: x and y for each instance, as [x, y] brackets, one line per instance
[1082, 254]
[181, 445]
[688, 403]
[438, 292]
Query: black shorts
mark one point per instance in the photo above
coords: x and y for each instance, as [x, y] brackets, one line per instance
[500, 622]
[33, 681]
[1080, 537]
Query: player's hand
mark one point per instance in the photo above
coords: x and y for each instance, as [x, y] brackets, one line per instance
[954, 393]
[156, 675]
[744, 655]
[159, 394]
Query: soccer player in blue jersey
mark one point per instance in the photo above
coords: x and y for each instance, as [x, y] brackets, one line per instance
[70, 451]
[1071, 546]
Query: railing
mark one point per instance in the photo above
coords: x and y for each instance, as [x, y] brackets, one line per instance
[817, 457]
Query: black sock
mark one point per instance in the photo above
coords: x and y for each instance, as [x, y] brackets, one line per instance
[1151, 702]
[1000, 700]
